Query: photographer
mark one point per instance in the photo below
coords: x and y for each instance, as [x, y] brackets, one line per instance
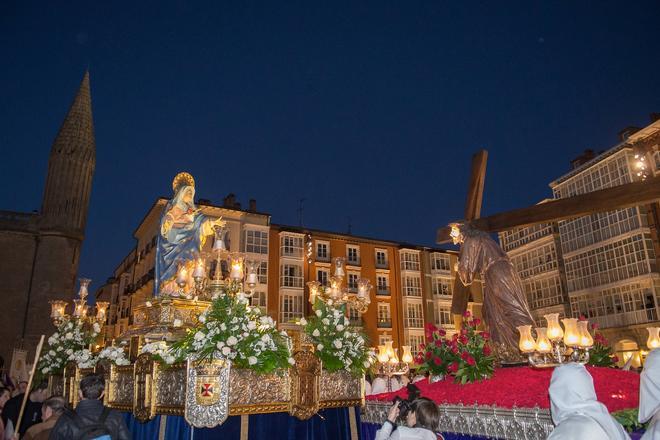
[421, 422]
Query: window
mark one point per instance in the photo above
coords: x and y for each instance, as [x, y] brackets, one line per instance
[256, 241]
[322, 276]
[353, 281]
[440, 262]
[291, 307]
[322, 251]
[353, 255]
[442, 286]
[354, 316]
[414, 341]
[259, 300]
[410, 261]
[382, 285]
[262, 272]
[291, 275]
[384, 339]
[384, 317]
[381, 258]
[443, 316]
[414, 318]
[291, 246]
[412, 286]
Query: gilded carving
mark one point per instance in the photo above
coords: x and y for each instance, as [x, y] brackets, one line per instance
[144, 387]
[341, 385]
[71, 382]
[250, 388]
[305, 393]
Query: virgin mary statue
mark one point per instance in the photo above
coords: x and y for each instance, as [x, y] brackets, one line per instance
[183, 232]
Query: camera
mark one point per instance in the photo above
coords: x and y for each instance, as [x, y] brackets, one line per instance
[406, 405]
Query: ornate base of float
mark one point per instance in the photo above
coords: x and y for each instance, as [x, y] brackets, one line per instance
[199, 391]
[483, 421]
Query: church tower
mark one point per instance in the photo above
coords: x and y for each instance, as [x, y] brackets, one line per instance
[70, 169]
[63, 215]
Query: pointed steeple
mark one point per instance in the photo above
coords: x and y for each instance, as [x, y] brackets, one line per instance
[71, 167]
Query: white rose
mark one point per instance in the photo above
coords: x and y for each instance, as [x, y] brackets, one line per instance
[69, 335]
[226, 350]
[202, 318]
[318, 313]
[232, 340]
[252, 360]
[319, 347]
[199, 336]
[291, 361]
[316, 333]
[69, 352]
[303, 321]
[245, 334]
[44, 370]
[337, 343]
[52, 353]
[251, 325]
[325, 321]
[340, 327]
[366, 364]
[97, 327]
[177, 323]
[223, 327]
[220, 345]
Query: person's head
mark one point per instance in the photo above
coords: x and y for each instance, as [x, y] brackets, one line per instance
[424, 413]
[5, 395]
[39, 392]
[22, 386]
[92, 387]
[53, 406]
[649, 387]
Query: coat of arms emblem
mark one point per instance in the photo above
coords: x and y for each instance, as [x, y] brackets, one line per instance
[207, 392]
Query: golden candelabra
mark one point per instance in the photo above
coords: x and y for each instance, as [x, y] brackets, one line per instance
[80, 308]
[388, 363]
[335, 294]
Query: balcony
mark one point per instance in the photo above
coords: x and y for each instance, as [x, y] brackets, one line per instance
[384, 291]
[384, 323]
[287, 251]
[355, 321]
[353, 261]
[323, 258]
[382, 265]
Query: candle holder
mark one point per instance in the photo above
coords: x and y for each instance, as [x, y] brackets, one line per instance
[336, 295]
[388, 364]
[553, 345]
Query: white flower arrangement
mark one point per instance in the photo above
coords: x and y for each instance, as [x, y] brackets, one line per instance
[116, 355]
[239, 332]
[338, 345]
[160, 351]
[69, 343]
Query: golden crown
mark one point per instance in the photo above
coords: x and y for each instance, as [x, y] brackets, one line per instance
[182, 179]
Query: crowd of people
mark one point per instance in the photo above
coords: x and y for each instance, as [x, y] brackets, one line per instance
[49, 417]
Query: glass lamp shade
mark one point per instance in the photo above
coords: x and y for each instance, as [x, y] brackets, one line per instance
[335, 288]
[80, 308]
[394, 359]
[526, 342]
[364, 287]
[57, 309]
[654, 339]
[407, 355]
[101, 309]
[252, 278]
[340, 264]
[571, 332]
[200, 270]
[313, 291]
[219, 244]
[382, 354]
[543, 344]
[84, 285]
[389, 349]
[586, 340]
[555, 332]
[236, 267]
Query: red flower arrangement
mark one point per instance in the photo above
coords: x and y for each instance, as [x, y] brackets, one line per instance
[466, 356]
[526, 387]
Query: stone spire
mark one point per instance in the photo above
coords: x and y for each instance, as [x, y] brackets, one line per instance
[70, 169]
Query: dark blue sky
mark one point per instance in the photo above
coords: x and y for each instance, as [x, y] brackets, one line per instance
[367, 110]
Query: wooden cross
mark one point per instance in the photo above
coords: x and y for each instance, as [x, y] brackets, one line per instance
[619, 197]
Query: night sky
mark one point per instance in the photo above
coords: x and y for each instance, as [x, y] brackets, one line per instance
[368, 111]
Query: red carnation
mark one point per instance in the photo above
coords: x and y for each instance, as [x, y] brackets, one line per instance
[454, 349]
[464, 331]
[437, 361]
[594, 325]
[486, 350]
[442, 332]
[476, 321]
[463, 340]
[428, 355]
[470, 360]
[615, 359]
[467, 314]
[453, 367]
[438, 343]
[582, 318]
[454, 337]
[485, 335]
[429, 327]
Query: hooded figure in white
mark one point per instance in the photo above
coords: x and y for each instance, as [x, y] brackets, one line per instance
[576, 413]
[649, 395]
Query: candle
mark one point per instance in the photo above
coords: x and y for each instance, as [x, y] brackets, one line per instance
[586, 340]
[526, 342]
[236, 272]
[407, 356]
[555, 331]
[571, 332]
[543, 344]
[653, 340]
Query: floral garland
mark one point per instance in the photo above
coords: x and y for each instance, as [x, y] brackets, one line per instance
[69, 343]
[338, 345]
[466, 356]
[237, 331]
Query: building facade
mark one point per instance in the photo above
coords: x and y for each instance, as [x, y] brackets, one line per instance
[40, 251]
[603, 266]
